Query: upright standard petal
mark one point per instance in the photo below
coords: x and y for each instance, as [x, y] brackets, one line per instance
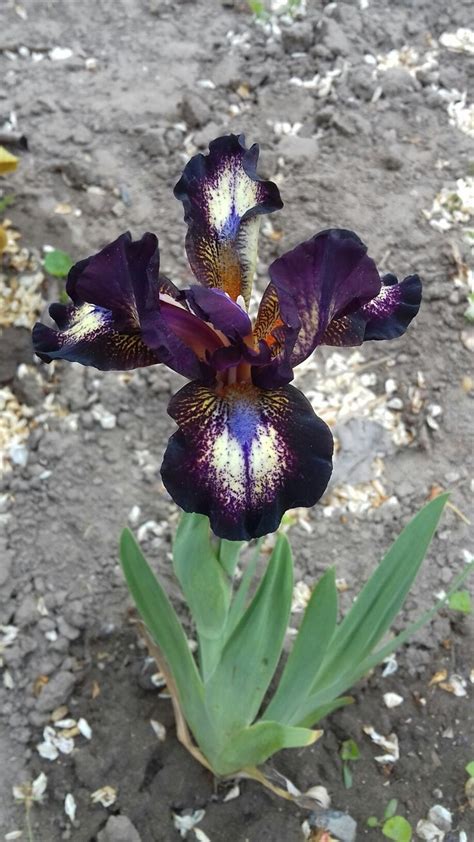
[117, 320]
[217, 308]
[323, 278]
[244, 455]
[223, 197]
[277, 331]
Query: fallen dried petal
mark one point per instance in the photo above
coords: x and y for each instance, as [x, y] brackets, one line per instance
[392, 700]
[441, 675]
[427, 830]
[456, 685]
[70, 807]
[320, 794]
[106, 796]
[234, 792]
[159, 729]
[84, 728]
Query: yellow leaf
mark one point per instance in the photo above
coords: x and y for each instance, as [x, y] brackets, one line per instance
[8, 162]
[3, 240]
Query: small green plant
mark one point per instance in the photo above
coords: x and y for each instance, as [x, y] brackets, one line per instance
[6, 201]
[57, 263]
[460, 601]
[221, 694]
[263, 9]
[349, 753]
[392, 826]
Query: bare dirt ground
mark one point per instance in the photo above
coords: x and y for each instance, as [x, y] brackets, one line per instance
[359, 111]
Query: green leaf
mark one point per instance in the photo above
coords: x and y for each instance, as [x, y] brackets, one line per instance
[228, 555]
[378, 603]
[397, 828]
[350, 750]
[313, 712]
[460, 601]
[373, 821]
[394, 644]
[204, 583]
[253, 745]
[470, 769]
[346, 775]
[165, 628]
[311, 644]
[58, 263]
[391, 808]
[237, 686]
[238, 603]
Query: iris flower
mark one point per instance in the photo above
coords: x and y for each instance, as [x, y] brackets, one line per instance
[248, 444]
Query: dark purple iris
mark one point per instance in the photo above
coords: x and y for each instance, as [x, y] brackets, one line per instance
[249, 446]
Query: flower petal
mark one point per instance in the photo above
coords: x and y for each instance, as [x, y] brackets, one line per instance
[244, 455]
[215, 306]
[118, 278]
[88, 336]
[276, 327]
[223, 197]
[124, 315]
[324, 278]
[387, 316]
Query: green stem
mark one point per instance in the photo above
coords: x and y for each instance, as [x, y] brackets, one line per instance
[28, 823]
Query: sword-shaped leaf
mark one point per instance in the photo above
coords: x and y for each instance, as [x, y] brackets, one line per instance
[202, 579]
[311, 644]
[249, 658]
[379, 601]
[253, 745]
[165, 628]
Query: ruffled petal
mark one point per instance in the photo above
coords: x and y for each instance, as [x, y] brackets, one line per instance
[323, 278]
[223, 197]
[119, 278]
[217, 308]
[124, 315]
[244, 455]
[387, 316]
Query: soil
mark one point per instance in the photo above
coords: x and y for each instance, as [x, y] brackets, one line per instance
[109, 128]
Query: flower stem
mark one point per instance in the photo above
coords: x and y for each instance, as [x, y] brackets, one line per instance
[29, 829]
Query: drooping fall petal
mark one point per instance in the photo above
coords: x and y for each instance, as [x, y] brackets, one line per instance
[117, 320]
[223, 198]
[244, 455]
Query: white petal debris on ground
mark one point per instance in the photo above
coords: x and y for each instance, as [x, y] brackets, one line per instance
[21, 300]
[31, 792]
[106, 796]
[187, 821]
[159, 729]
[392, 700]
[59, 737]
[461, 114]
[389, 744]
[70, 807]
[342, 388]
